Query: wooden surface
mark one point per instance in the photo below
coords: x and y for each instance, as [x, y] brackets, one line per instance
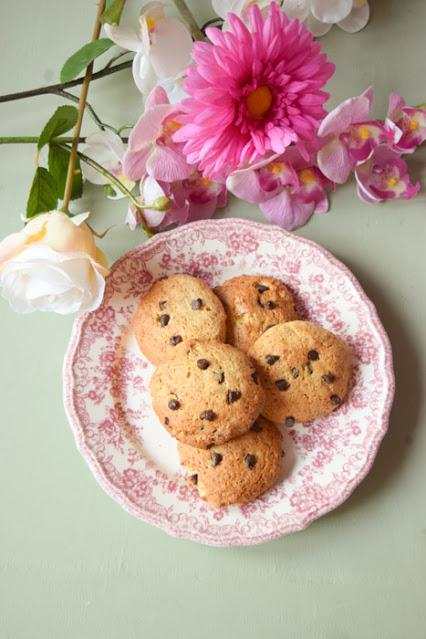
[72, 563]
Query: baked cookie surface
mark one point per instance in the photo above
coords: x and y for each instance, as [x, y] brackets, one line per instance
[254, 303]
[206, 393]
[304, 369]
[239, 470]
[175, 309]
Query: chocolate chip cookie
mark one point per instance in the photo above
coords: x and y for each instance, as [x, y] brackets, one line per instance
[254, 303]
[206, 393]
[175, 309]
[304, 369]
[238, 471]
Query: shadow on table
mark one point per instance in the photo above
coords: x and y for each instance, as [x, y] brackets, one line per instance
[396, 444]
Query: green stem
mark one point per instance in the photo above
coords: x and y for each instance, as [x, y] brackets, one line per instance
[33, 139]
[112, 179]
[189, 19]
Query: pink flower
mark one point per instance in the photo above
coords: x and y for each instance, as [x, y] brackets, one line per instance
[151, 150]
[384, 177]
[252, 91]
[195, 198]
[287, 188]
[408, 124]
[348, 138]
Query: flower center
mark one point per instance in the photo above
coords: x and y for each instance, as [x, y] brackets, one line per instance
[259, 102]
[307, 176]
[364, 133]
[413, 124]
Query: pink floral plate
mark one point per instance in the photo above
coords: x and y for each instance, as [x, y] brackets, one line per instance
[106, 381]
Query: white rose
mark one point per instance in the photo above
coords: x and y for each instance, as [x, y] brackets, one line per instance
[52, 264]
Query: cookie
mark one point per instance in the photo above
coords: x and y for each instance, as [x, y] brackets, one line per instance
[175, 309]
[254, 303]
[304, 369]
[238, 471]
[206, 393]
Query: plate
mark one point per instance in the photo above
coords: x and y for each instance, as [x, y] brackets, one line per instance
[106, 382]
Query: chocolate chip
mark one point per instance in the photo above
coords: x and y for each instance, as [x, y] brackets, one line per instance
[261, 288]
[271, 359]
[163, 277]
[194, 479]
[255, 377]
[329, 378]
[295, 372]
[166, 421]
[209, 415]
[335, 399]
[203, 364]
[282, 384]
[250, 461]
[308, 367]
[175, 340]
[162, 305]
[209, 446]
[313, 356]
[220, 376]
[164, 320]
[233, 396]
[216, 459]
[289, 421]
[270, 305]
[256, 427]
[173, 404]
[196, 304]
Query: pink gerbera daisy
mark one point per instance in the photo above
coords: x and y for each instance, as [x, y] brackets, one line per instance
[252, 91]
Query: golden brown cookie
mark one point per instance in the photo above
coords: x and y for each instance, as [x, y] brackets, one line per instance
[238, 471]
[304, 369]
[206, 393]
[175, 309]
[253, 303]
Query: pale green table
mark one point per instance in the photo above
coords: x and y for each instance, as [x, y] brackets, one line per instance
[73, 564]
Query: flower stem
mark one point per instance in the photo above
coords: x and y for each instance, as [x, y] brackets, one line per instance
[53, 88]
[33, 139]
[189, 19]
[81, 106]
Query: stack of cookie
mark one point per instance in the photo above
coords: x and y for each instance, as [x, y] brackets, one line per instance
[219, 399]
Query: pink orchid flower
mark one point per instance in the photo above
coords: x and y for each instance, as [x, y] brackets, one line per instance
[195, 198]
[151, 150]
[287, 188]
[384, 177]
[408, 124]
[348, 137]
[162, 45]
[107, 149]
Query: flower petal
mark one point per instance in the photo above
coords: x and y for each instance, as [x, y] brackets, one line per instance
[143, 73]
[134, 163]
[148, 128]
[287, 211]
[167, 165]
[171, 48]
[331, 11]
[316, 27]
[222, 7]
[124, 37]
[351, 110]
[296, 9]
[245, 184]
[334, 161]
[356, 20]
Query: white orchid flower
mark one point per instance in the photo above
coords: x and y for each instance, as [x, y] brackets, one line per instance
[107, 149]
[320, 15]
[239, 7]
[162, 45]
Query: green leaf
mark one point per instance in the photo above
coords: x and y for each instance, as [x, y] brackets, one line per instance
[43, 195]
[83, 57]
[58, 167]
[61, 121]
[112, 13]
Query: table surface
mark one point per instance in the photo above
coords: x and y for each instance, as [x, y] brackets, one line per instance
[73, 563]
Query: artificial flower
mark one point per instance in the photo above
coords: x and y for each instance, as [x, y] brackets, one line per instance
[195, 198]
[239, 7]
[107, 149]
[407, 123]
[348, 138]
[162, 45]
[320, 15]
[384, 177]
[151, 150]
[252, 91]
[287, 188]
[52, 264]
